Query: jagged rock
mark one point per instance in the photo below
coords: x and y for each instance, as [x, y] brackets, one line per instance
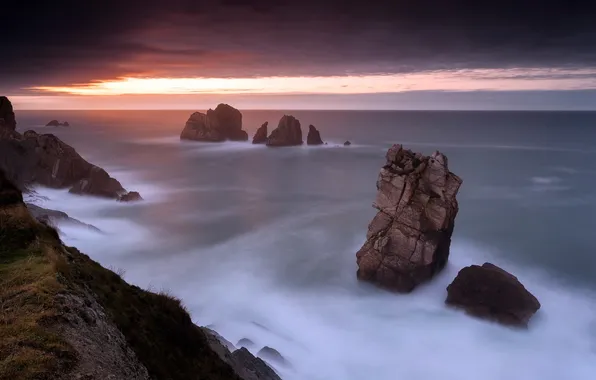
[287, 133]
[260, 136]
[245, 364]
[347, 143]
[492, 293]
[271, 354]
[223, 123]
[132, 196]
[7, 116]
[408, 240]
[314, 136]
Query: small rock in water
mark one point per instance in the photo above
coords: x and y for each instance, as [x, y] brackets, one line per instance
[492, 293]
[131, 196]
[347, 143]
[314, 136]
[260, 136]
[271, 354]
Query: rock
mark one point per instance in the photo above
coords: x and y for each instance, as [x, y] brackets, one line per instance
[51, 217]
[223, 123]
[7, 116]
[244, 364]
[66, 124]
[347, 143]
[408, 240]
[245, 342]
[132, 196]
[53, 123]
[9, 193]
[212, 334]
[287, 133]
[260, 136]
[271, 354]
[99, 183]
[490, 292]
[313, 137]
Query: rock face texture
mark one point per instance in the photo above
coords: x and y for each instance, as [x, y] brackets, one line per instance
[408, 240]
[287, 133]
[260, 136]
[245, 364]
[314, 136]
[492, 293]
[223, 123]
[46, 160]
[7, 117]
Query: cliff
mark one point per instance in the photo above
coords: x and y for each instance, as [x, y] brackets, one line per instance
[63, 316]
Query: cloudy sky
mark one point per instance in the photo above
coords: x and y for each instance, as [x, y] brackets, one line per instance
[400, 54]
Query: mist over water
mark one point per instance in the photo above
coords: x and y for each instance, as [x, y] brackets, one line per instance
[260, 243]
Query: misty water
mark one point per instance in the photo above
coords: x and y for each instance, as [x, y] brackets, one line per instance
[260, 243]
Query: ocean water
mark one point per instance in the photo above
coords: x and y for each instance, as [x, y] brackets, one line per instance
[260, 243]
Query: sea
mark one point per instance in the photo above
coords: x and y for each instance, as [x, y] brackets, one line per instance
[260, 243]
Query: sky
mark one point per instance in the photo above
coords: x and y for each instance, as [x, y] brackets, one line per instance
[400, 54]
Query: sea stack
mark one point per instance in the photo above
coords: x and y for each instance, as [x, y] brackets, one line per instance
[7, 117]
[56, 123]
[492, 293]
[314, 136]
[260, 136]
[408, 240]
[223, 123]
[287, 133]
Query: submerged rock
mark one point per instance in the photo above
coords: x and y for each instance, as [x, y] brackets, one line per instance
[492, 293]
[347, 143]
[287, 133]
[223, 123]
[7, 116]
[260, 136]
[314, 136]
[408, 240]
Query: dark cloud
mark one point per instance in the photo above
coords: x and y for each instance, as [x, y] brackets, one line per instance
[64, 42]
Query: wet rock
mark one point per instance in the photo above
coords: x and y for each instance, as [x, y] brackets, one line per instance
[347, 143]
[260, 136]
[132, 196]
[314, 136]
[287, 133]
[408, 240]
[271, 354]
[7, 116]
[223, 123]
[492, 293]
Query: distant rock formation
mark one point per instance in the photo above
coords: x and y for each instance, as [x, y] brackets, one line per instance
[347, 143]
[56, 123]
[287, 133]
[408, 240]
[46, 160]
[314, 136]
[223, 123]
[492, 293]
[271, 354]
[7, 117]
[260, 136]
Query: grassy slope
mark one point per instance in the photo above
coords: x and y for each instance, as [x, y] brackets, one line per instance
[35, 267]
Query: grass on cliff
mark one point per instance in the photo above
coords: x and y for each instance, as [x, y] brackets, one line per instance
[35, 267]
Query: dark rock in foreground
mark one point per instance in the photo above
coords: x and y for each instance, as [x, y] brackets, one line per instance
[245, 364]
[314, 136]
[347, 143]
[408, 240]
[287, 133]
[491, 293]
[56, 123]
[223, 123]
[7, 117]
[260, 136]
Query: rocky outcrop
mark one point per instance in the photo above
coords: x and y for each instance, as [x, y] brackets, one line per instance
[260, 136]
[314, 136]
[46, 160]
[132, 196]
[271, 355]
[223, 123]
[56, 123]
[347, 143]
[53, 217]
[492, 293]
[287, 133]
[7, 116]
[245, 364]
[408, 240]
